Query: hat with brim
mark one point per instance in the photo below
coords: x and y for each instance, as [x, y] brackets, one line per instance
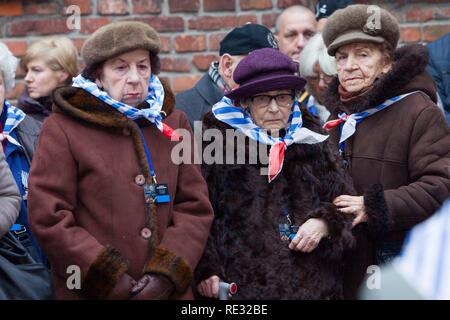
[265, 70]
[267, 83]
[352, 37]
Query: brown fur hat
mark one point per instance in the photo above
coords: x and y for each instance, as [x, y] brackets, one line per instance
[360, 23]
[119, 37]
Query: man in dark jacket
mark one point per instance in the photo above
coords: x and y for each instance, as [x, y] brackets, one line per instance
[439, 68]
[198, 100]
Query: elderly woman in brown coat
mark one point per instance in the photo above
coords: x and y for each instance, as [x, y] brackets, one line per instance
[393, 138]
[104, 193]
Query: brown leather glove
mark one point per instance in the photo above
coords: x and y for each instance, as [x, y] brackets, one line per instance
[152, 287]
[122, 289]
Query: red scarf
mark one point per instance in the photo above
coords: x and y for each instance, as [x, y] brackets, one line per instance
[349, 96]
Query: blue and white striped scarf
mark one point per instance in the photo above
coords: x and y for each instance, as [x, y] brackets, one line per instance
[155, 99]
[14, 117]
[350, 121]
[241, 120]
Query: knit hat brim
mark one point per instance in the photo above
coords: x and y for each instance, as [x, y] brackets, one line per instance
[265, 84]
[352, 37]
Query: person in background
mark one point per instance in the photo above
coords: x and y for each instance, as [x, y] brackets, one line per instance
[318, 68]
[49, 63]
[293, 29]
[9, 197]
[439, 68]
[393, 139]
[19, 134]
[105, 194]
[239, 42]
[325, 8]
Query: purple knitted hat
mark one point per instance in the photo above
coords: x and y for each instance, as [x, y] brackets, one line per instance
[265, 70]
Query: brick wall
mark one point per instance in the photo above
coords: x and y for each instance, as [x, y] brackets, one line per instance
[190, 29]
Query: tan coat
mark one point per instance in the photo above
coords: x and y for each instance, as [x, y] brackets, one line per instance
[9, 196]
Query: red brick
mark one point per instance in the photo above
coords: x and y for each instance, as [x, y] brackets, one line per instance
[16, 91]
[185, 43]
[11, 8]
[174, 64]
[214, 41]
[268, 20]
[431, 33]
[443, 13]
[419, 14]
[84, 5]
[113, 7]
[255, 4]
[182, 83]
[18, 48]
[165, 44]
[146, 6]
[89, 25]
[42, 7]
[288, 3]
[202, 62]
[216, 23]
[43, 27]
[409, 34]
[78, 43]
[184, 5]
[219, 5]
[164, 24]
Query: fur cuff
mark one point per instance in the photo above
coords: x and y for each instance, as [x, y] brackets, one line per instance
[175, 268]
[340, 237]
[377, 211]
[103, 274]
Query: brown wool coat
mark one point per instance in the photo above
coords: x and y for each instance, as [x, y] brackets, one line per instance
[86, 199]
[399, 158]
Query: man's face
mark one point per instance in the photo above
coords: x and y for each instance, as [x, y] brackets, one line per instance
[295, 29]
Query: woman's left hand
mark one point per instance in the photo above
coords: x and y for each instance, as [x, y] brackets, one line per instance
[352, 205]
[309, 235]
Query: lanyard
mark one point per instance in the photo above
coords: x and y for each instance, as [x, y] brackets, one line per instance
[147, 153]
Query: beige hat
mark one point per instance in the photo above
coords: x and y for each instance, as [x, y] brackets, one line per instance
[360, 23]
[119, 37]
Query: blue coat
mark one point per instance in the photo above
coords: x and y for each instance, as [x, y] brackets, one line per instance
[439, 68]
[19, 160]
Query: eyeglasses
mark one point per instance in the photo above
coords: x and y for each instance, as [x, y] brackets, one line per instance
[284, 100]
[326, 78]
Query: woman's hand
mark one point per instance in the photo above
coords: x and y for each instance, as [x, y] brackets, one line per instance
[309, 235]
[209, 287]
[352, 205]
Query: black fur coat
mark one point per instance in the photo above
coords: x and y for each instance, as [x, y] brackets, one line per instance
[245, 246]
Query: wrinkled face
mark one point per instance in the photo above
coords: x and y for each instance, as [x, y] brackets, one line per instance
[125, 77]
[41, 80]
[2, 92]
[270, 110]
[359, 64]
[294, 32]
[318, 83]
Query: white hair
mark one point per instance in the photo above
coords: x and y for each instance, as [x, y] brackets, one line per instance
[315, 51]
[8, 65]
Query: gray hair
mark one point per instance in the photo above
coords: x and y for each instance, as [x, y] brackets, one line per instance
[8, 65]
[315, 51]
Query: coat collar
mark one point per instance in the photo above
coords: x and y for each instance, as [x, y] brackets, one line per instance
[208, 90]
[406, 75]
[81, 105]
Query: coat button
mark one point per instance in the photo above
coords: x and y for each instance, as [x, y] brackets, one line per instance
[146, 233]
[139, 180]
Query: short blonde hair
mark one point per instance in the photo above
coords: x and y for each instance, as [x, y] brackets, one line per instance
[315, 51]
[58, 52]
